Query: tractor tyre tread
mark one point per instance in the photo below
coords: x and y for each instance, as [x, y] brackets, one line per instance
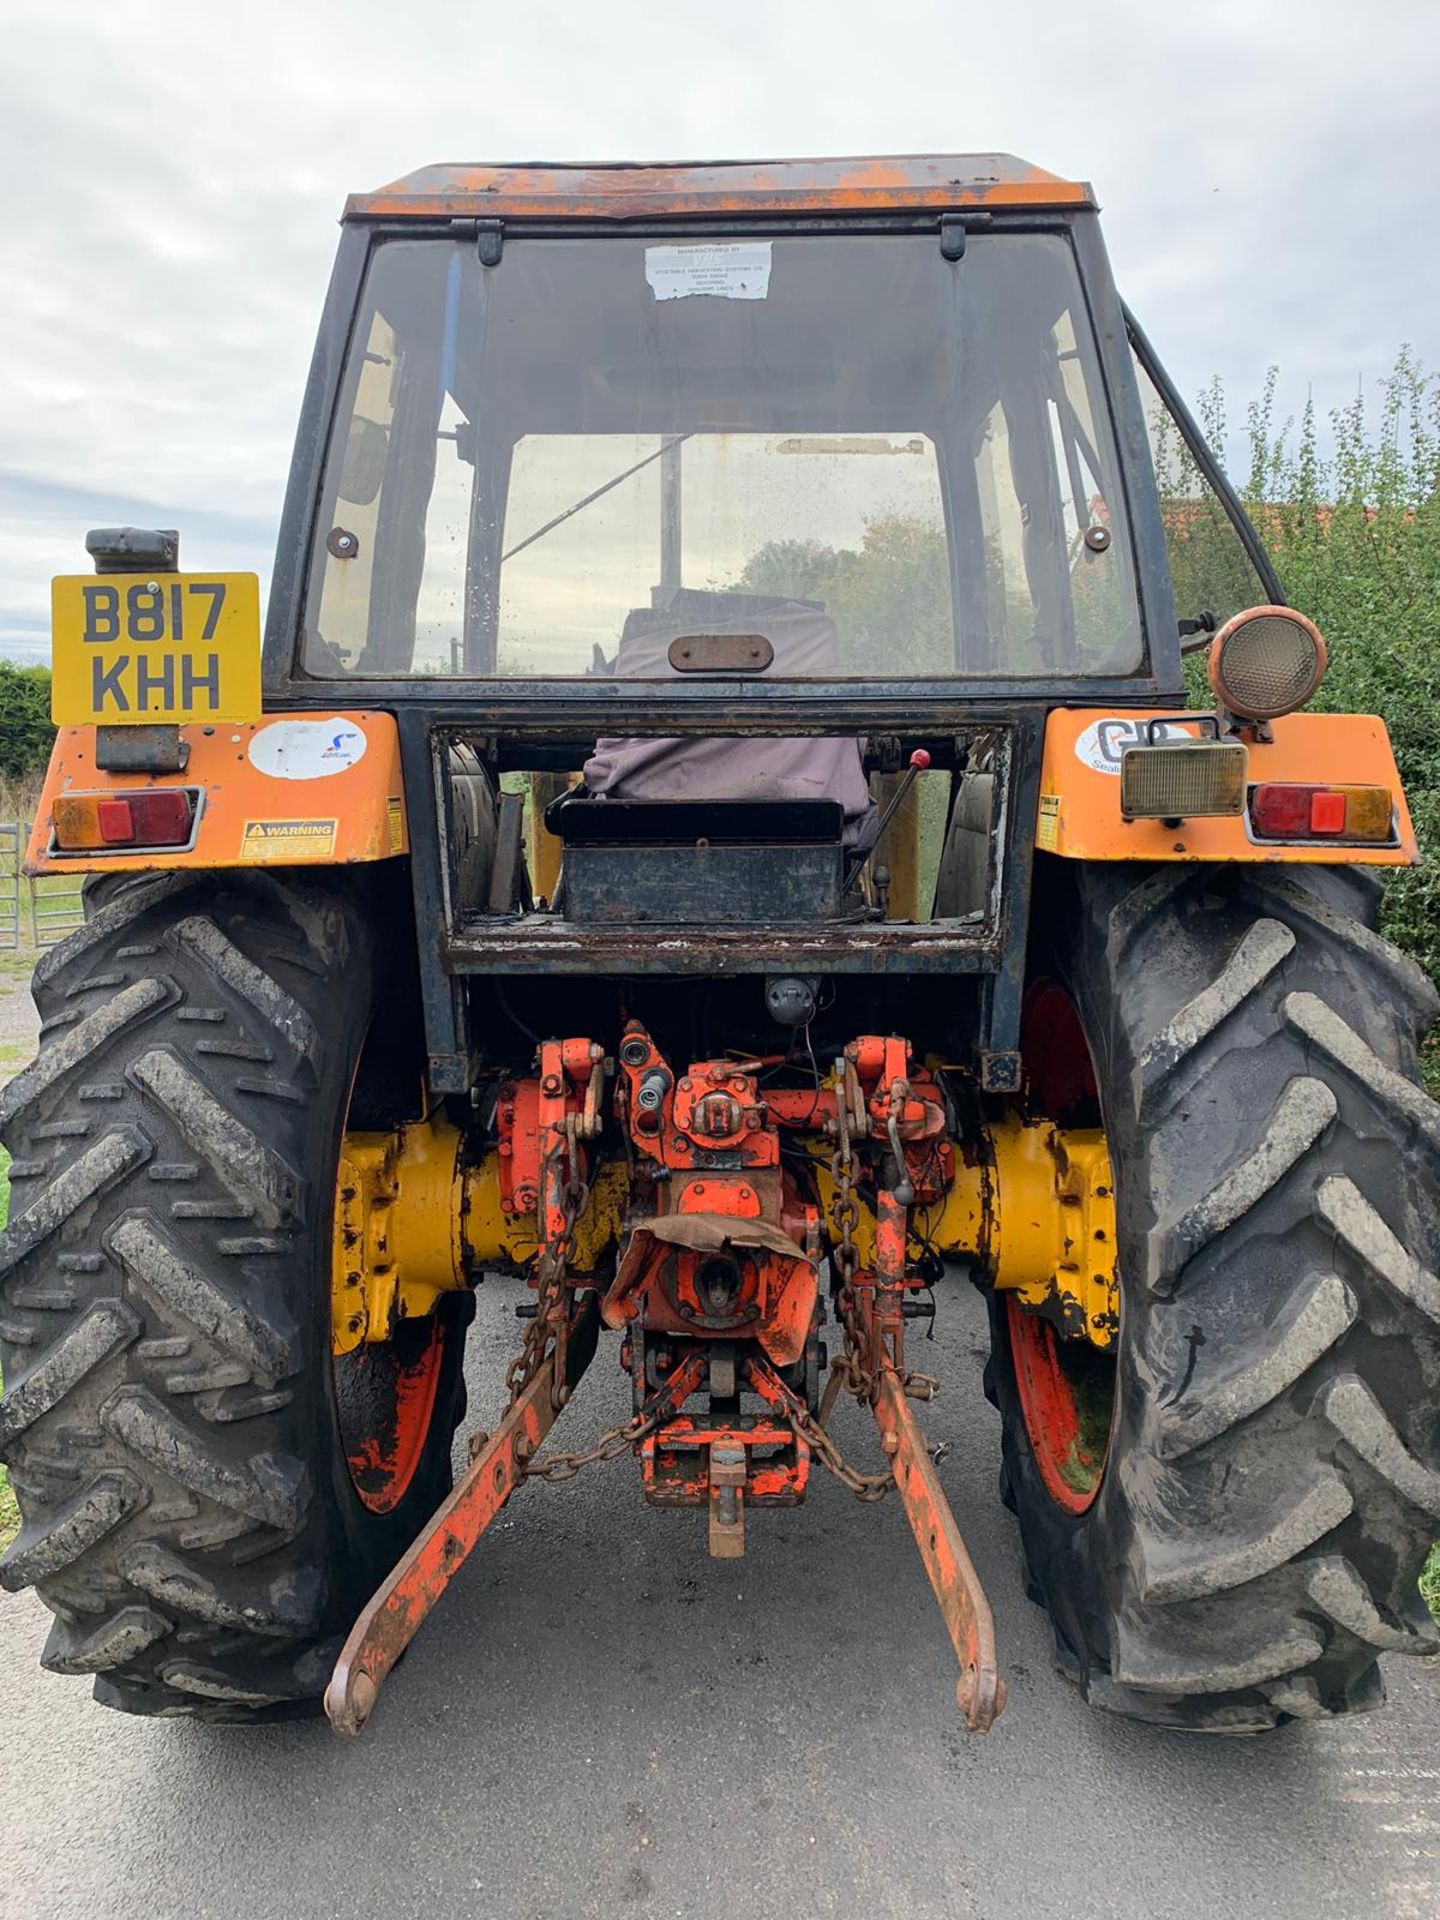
[164, 1334]
[1274, 1473]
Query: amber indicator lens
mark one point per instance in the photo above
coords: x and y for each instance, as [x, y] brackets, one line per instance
[1177, 782]
[1288, 811]
[97, 822]
[1267, 662]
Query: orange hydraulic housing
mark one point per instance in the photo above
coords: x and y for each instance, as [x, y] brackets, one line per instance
[718, 1287]
[719, 1281]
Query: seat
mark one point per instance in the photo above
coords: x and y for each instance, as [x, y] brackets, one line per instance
[647, 767]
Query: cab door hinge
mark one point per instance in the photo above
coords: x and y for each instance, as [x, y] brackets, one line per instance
[489, 237]
[952, 236]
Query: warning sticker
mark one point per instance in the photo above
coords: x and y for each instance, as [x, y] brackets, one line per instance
[733, 270]
[286, 840]
[1047, 825]
[395, 819]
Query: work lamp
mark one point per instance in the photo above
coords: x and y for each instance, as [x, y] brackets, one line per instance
[1266, 662]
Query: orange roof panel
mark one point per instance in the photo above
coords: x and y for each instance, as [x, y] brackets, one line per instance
[621, 191]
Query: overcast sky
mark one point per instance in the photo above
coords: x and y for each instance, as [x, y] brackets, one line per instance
[1268, 171]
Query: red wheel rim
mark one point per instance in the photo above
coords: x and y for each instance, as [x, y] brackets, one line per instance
[1063, 1420]
[1069, 1464]
[385, 1397]
[390, 1414]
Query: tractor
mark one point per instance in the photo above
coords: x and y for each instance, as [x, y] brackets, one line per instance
[719, 828]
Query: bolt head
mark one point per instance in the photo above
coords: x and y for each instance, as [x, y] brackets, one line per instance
[363, 1695]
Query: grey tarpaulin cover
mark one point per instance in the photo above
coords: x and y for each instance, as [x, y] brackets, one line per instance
[812, 768]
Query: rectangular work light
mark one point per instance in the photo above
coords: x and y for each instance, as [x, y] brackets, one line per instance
[1178, 780]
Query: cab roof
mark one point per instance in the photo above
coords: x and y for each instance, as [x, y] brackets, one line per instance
[614, 190]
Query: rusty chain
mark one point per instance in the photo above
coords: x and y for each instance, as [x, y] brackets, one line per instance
[552, 1262]
[610, 1446]
[849, 1372]
[552, 1266]
[864, 1486]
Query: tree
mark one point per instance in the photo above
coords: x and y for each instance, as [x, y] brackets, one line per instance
[890, 601]
[26, 730]
[1355, 536]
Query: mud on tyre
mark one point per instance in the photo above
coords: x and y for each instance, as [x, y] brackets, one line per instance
[1272, 1480]
[171, 1421]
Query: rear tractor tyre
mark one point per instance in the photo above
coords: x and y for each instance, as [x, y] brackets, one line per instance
[1236, 1538]
[176, 1431]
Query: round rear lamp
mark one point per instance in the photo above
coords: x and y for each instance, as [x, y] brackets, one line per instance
[1267, 661]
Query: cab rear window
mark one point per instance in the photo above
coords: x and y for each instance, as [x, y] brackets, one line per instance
[539, 465]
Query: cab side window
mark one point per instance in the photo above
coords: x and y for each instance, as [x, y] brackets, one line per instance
[1211, 569]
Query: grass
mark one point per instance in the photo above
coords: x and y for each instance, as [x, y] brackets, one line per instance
[20, 799]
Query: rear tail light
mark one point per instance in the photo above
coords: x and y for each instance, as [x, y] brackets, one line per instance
[1182, 781]
[102, 822]
[1283, 811]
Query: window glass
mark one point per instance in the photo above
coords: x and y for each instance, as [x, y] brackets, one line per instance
[1209, 565]
[886, 463]
[850, 523]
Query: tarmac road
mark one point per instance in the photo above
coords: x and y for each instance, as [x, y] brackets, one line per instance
[602, 1721]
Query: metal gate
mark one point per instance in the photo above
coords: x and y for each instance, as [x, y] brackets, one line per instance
[10, 845]
[56, 907]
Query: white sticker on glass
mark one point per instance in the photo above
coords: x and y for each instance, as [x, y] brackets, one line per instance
[733, 270]
[308, 749]
[1101, 745]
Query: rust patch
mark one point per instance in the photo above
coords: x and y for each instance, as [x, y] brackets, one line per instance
[715, 188]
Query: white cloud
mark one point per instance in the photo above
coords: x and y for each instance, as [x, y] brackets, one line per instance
[1267, 172]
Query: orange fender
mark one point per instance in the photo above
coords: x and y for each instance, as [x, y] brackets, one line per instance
[1080, 819]
[301, 790]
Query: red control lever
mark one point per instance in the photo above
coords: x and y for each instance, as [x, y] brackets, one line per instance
[919, 761]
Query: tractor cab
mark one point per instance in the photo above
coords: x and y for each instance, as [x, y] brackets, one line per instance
[684, 481]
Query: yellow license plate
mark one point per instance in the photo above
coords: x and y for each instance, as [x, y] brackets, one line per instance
[141, 648]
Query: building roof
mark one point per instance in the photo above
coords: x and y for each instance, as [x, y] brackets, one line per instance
[612, 190]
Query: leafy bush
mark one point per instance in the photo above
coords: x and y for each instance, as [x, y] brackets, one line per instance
[26, 731]
[1354, 530]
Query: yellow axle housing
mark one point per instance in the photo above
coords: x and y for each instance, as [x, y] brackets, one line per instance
[415, 1218]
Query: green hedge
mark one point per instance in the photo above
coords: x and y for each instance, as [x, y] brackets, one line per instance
[26, 732]
[1353, 526]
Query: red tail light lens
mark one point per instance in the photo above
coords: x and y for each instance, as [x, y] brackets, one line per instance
[1327, 813]
[1280, 811]
[95, 822]
[117, 823]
